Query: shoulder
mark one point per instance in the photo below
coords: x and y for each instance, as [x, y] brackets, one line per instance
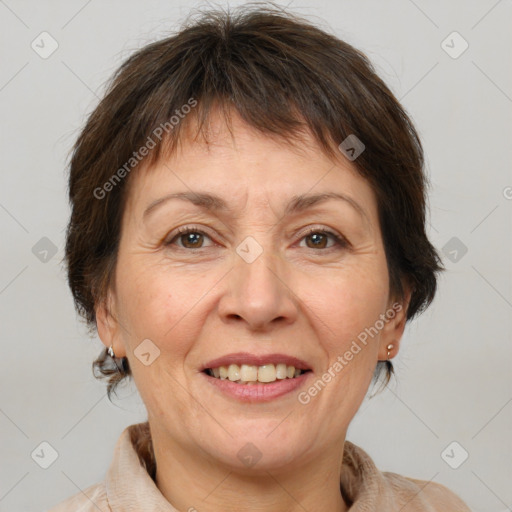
[424, 494]
[92, 499]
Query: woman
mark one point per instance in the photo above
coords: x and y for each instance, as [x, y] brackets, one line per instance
[248, 238]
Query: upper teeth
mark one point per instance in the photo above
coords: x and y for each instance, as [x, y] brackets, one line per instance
[249, 373]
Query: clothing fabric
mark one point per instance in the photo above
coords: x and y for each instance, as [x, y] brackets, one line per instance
[129, 484]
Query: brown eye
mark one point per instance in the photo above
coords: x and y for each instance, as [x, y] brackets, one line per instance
[319, 239]
[190, 238]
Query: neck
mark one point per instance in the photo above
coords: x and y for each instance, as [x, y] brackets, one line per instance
[193, 483]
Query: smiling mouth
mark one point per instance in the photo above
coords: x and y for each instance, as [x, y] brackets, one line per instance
[251, 374]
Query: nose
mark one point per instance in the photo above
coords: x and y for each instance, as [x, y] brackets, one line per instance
[260, 293]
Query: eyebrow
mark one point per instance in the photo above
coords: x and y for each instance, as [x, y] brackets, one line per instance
[297, 204]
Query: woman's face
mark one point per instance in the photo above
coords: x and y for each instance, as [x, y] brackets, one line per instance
[256, 282]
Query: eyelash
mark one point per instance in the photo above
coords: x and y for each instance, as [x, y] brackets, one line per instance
[339, 241]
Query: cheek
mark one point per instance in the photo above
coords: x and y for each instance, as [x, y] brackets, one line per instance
[348, 305]
[154, 305]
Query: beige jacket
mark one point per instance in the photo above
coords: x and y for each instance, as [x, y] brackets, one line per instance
[129, 487]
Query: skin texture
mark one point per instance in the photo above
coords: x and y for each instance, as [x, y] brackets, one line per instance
[196, 304]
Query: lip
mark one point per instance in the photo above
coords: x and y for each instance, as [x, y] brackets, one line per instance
[256, 360]
[257, 392]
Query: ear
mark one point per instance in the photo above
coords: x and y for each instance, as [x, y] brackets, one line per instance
[394, 326]
[108, 327]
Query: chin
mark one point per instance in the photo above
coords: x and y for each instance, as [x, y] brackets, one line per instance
[260, 445]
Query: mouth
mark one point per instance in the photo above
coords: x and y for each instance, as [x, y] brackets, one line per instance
[249, 374]
[256, 377]
[244, 367]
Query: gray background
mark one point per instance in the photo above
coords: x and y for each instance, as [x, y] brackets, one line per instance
[454, 379]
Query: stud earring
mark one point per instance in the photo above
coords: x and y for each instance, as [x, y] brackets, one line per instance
[389, 347]
[121, 362]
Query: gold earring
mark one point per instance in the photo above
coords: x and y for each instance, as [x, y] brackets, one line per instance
[389, 347]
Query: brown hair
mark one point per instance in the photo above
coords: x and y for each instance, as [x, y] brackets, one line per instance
[282, 75]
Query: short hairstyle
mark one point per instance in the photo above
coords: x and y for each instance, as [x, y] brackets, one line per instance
[283, 75]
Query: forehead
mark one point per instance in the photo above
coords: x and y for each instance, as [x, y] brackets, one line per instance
[239, 163]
